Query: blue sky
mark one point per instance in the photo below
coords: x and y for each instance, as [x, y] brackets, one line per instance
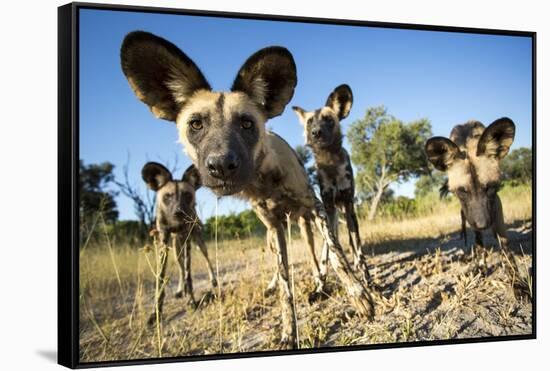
[448, 78]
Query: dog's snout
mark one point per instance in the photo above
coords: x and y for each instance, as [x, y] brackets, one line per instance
[223, 166]
[315, 133]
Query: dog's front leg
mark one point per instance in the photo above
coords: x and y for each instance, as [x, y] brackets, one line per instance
[463, 233]
[202, 247]
[288, 338]
[270, 240]
[178, 256]
[359, 260]
[188, 286]
[480, 253]
[307, 235]
[358, 293]
[501, 234]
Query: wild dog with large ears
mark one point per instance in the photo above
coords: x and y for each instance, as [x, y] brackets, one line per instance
[333, 165]
[225, 136]
[471, 160]
[178, 225]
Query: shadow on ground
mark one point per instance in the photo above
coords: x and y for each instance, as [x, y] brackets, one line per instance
[49, 355]
[520, 234]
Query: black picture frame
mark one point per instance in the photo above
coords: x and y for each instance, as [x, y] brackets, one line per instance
[68, 157]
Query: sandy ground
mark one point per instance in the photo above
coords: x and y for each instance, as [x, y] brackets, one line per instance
[425, 289]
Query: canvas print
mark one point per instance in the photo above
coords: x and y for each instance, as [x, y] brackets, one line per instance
[259, 185]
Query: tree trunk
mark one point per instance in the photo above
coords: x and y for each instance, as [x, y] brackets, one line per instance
[375, 202]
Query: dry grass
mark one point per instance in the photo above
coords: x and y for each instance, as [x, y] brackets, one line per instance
[428, 289]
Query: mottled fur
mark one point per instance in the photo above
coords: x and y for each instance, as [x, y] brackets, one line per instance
[225, 136]
[333, 165]
[471, 160]
[177, 225]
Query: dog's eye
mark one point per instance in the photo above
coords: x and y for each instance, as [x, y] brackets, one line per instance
[246, 123]
[196, 124]
[167, 197]
[461, 191]
[187, 197]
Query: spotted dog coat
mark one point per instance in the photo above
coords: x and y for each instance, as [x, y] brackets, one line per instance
[334, 172]
[471, 160]
[177, 225]
[225, 136]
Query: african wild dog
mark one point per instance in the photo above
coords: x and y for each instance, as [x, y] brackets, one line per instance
[471, 160]
[225, 136]
[177, 225]
[333, 165]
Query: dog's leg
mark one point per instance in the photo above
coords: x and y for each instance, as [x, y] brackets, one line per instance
[202, 247]
[499, 229]
[160, 281]
[358, 293]
[332, 213]
[463, 233]
[276, 241]
[288, 338]
[332, 219]
[182, 256]
[178, 256]
[188, 286]
[272, 286]
[307, 235]
[323, 260]
[359, 260]
[479, 251]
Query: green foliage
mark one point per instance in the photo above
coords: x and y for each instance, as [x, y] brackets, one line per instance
[431, 203]
[128, 232]
[95, 197]
[517, 167]
[385, 150]
[398, 208]
[241, 225]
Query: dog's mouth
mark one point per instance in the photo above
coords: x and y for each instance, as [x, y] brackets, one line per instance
[225, 188]
[322, 141]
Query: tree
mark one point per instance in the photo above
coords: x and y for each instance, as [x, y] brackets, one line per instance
[517, 167]
[385, 150]
[144, 204]
[398, 207]
[239, 225]
[95, 197]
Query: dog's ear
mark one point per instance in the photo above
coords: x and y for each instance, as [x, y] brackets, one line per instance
[269, 78]
[340, 100]
[497, 138]
[192, 176]
[300, 113]
[155, 175]
[441, 152]
[159, 73]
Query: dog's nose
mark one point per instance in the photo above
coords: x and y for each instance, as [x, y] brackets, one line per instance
[222, 166]
[315, 133]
